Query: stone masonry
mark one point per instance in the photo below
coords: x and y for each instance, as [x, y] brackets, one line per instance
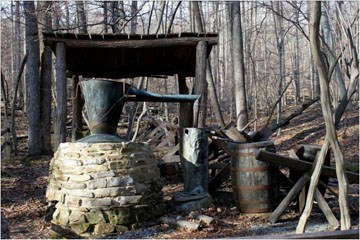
[103, 188]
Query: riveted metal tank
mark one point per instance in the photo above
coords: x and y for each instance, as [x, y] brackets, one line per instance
[104, 101]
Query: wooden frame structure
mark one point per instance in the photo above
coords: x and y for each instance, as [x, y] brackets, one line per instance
[126, 56]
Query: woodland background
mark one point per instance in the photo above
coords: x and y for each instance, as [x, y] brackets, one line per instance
[263, 59]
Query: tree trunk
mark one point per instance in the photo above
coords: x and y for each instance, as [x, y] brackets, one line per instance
[280, 37]
[331, 137]
[18, 51]
[229, 67]
[327, 33]
[209, 77]
[32, 76]
[239, 67]
[45, 78]
[133, 23]
[105, 17]
[81, 15]
[116, 16]
[160, 17]
[352, 72]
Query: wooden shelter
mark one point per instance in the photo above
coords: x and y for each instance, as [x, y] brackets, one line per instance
[126, 56]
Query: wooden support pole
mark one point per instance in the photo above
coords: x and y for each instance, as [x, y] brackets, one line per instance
[185, 111]
[200, 85]
[302, 195]
[221, 177]
[326, 210]
[300, 165]
[77, 106]
[61, 94]
[294, 192]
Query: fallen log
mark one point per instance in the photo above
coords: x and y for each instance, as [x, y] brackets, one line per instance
[266, 131]
[203, 218]
[192, 226]
[300, 165]
[340, 234]
[235, 135]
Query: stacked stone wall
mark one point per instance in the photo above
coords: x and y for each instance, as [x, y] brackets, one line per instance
[102, 188]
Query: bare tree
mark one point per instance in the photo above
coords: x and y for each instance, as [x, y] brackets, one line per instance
[331, 137]
[239, 67]
[105, 16]
[133, 22]
[18, 52]
[32, 76]
[209, 77]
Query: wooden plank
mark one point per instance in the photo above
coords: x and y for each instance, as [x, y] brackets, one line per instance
[300, 165]
[173, 151]
[222, 176]
[235, 135]
[173, 158]
[340, 234]
[148, 43]
[217, 165]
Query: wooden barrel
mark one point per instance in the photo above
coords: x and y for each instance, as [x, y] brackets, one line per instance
[253, 182]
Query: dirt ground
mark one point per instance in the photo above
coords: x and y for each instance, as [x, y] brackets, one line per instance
[24, 181]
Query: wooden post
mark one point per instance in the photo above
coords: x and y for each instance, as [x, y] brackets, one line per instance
[185, 111]
[77, 106]
[61, 94]
[334, 223]
[302, 195]
[200, 85]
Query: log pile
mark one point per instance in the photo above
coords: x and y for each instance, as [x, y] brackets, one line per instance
[163, 137]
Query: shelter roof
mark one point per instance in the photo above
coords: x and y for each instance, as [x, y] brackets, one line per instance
[124, 56]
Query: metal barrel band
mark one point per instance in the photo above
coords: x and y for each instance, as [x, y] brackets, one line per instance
[251, 169]
[247, 154]
[256, 210]
[255, 202]
[252, 188]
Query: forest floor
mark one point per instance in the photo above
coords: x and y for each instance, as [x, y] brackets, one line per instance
[24, 182]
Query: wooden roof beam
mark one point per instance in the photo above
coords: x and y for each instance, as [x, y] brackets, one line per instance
[148, 43]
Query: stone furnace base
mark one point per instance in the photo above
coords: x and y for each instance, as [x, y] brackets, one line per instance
[103, 188]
